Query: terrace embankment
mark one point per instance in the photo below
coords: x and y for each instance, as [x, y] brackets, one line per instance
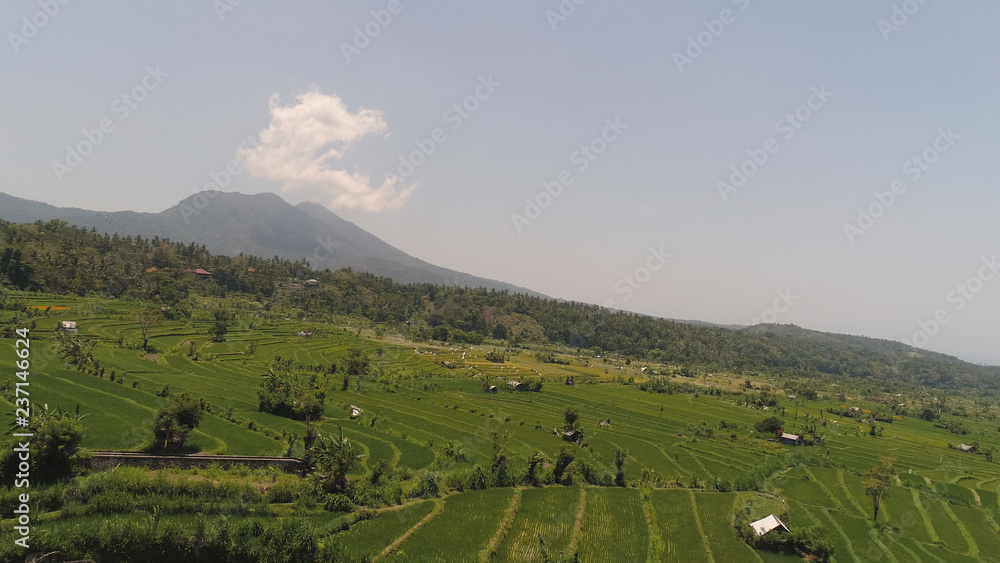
[107, 460]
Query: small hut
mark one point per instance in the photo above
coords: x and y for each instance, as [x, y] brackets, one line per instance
[768, 525]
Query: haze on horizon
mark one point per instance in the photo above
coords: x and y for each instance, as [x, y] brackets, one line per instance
[827, 164]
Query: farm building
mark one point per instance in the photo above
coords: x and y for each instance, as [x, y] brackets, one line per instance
[311, 283]
[572, 435]
[768, 525]
[152, 269]
[492, 389]
[517, 386]
[68, 326]
[791, 439]
[966, 447]
[199, 273]
[356, 411]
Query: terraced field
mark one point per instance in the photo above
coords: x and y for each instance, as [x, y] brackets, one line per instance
[945, 506]
[461, 531]
[548, 514]
[369, 538]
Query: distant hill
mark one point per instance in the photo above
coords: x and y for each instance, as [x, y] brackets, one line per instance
[264, 225]
[58, 258]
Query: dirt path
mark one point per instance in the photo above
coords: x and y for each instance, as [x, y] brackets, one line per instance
[701, 530]
[577, 533]
[490, 550]
[438, 509]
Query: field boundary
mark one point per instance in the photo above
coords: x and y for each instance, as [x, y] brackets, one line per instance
[849, 544]
[656, 545]
[822, 485]
[924, 516]
[104, 460]
[491, 548]
[701, 529]
[389, 549]
[973, 547]
[850, 497]
[577, 534]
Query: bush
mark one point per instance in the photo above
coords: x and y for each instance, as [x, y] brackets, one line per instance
[282, 492]
[427, 485]
[770, 425]
[55, 448]
[174, 422]
[338, 503]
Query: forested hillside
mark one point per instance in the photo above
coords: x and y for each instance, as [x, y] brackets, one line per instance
[59, 258]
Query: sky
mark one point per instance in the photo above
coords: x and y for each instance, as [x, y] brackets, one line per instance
[828, 164]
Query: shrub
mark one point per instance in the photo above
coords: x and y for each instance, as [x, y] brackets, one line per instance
[338, 503]
[282, 492]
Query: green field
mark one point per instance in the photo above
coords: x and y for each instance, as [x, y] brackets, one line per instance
[685, 450]
[549, 513]
[460, 532]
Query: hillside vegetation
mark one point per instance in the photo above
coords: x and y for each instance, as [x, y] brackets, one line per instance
[58, 258]
[414, 457]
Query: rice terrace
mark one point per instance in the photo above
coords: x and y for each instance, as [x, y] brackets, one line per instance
[526, 281]
[431, 443]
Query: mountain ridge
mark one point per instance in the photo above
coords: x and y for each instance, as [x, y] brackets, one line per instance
[233, 223]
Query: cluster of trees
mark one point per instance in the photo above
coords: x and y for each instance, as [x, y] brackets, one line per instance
[813, 541]
[174, 423]
[283, 393]
[55, 447]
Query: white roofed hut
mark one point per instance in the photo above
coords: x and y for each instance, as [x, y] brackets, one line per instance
[768, 525]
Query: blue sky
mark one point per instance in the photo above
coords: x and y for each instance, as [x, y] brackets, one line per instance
[651, 224]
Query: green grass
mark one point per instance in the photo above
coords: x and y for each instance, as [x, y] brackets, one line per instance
[368, 538]
[466, 526]
[945, 527]
[676, 520]
[986, 537]
[715, 513]
[548, 512]
[614, 528]
[424, 405]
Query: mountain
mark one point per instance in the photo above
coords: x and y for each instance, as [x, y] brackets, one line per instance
[264, 225]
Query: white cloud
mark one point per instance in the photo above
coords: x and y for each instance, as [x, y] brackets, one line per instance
[305, 141]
